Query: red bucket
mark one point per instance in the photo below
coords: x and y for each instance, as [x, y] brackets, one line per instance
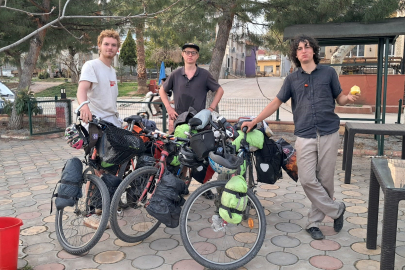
[9, 235]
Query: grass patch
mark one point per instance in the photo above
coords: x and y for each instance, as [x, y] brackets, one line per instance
[71, 90]
[126, 89]
[35, 79]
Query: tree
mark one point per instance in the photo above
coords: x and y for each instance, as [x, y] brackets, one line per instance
[128, 51]
[283, 13]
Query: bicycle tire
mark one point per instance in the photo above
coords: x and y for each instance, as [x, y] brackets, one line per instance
[205, 245]
[133, 223]
[71, 230]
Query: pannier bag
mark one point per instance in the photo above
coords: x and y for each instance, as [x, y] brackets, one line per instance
[202, 143]
[269, 160]
[111, 181]
[202, 173]
[234, 200]
[165, 204]
[145, 160]
[119, 145]
[289, 159]
[70, 184]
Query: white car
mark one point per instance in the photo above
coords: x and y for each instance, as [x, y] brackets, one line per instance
[6, 93]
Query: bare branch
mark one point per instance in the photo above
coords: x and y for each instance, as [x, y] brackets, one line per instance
[144, 15]
[78, 38]
[29, 13]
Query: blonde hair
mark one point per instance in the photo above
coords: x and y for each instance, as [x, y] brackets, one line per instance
[109, 33]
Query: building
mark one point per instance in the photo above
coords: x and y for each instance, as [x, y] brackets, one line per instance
[268, 64]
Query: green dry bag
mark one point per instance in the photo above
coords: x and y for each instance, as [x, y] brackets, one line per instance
[234, 200]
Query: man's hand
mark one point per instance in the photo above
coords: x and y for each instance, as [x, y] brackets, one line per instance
[85, 114]
[247, 124]
[172, 113]
[352, 98]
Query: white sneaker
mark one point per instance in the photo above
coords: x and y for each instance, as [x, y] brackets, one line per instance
[93, 222]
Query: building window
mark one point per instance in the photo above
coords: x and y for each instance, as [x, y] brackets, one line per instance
[322, 52]
[248, 51]
[391, 50]
[257, 68]
[357, 51]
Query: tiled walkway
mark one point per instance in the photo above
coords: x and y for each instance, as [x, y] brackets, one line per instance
[29, 171]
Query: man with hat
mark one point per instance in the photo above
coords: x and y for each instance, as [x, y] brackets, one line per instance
[190, 85]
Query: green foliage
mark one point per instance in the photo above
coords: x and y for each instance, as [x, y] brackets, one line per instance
[283, 13]
[128, 51]
[21, 103]
[43, 75]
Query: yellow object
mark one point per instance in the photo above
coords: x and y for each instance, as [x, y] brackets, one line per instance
[355, 90]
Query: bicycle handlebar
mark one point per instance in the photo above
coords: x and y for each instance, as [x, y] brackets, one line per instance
[77, 111]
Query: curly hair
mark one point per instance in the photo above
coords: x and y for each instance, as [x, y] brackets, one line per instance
[109, 33]
[294, 47]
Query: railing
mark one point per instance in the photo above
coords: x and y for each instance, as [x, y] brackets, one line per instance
[55, 115]
[49, 116]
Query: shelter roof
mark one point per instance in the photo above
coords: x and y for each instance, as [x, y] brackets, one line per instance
[349, 33]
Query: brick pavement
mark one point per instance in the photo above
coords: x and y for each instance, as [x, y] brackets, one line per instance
[29, 170]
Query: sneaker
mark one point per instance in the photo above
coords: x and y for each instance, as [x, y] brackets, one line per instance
[208, 195]
[338, 223]
[315, 233]
[93, 222]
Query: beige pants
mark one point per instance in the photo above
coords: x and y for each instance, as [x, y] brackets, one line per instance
[316, 160]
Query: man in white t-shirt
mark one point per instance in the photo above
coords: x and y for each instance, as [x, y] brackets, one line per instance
[98, 82]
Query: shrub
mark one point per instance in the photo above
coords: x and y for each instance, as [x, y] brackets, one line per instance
[22, 98]
[43, 75]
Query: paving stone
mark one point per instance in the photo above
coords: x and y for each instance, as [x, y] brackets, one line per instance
[360, 247]
[22, 194]
[400, 250]
[367, 265]
[120, 243]
[7, 213]
[362, 233]
[326, 262]
[292, 205]
[187, 264]
[352, 193]
[124, 265]
[294, 196]
[266, 194]
[34, 230]
[357, 220]
[285, 241]
[269, 187]
[31, 215]
[288, 227]
[266, 203]
[53, 266]
[290, 215]
[355, 201]
[325, 244]
[282, 258]
[109, 257]
[40, 248]
[357, 209]
[26, 203]
[163, 244]
[174, 255]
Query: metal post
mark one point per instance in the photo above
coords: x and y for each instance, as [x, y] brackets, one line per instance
[30, 116]
[278, 115]
[379, 85]
[164, 122]
[381, 142]
[399, 112]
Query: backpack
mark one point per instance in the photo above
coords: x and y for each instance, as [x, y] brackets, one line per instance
[234, 200]
[269, 160]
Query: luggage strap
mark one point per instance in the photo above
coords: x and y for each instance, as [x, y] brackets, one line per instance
[231, 210]
[237, 194]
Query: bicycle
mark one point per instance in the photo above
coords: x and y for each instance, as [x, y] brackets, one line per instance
[74, 235]
[133, 223]
[211, 241]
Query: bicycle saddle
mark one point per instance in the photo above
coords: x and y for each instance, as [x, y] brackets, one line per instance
[131, 118]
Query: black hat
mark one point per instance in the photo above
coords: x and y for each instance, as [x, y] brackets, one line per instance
[190, 45]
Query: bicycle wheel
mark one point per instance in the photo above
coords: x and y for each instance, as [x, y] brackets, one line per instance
[231, 246]
[73, 230]
[133, 223]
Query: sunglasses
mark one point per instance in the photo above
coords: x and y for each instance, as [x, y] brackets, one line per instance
[190, 52]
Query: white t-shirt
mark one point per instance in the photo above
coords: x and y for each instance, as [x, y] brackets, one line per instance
[104, 91]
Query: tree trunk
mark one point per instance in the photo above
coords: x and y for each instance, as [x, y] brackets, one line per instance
[140, 52]
[51, 74]
[339, 55]
[224, 28]
[72, 67]
[30, 61]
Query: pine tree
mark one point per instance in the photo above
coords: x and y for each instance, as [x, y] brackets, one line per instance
[128, 51]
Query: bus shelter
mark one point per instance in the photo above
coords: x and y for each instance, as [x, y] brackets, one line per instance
[382, 33]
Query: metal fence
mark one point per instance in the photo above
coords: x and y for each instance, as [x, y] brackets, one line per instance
[55, 115]
[51, 116]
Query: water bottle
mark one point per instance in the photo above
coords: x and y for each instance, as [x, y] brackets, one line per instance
[217, 224]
